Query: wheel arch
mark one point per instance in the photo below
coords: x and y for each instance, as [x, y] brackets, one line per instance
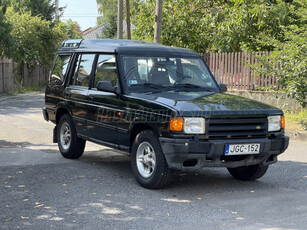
[60, 112]
[139, 127]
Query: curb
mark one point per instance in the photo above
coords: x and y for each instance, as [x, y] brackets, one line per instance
[297, 135]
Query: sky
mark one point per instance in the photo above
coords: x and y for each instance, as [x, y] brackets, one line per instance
[82, 11]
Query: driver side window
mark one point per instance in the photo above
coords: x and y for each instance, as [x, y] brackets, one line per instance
[106, 69]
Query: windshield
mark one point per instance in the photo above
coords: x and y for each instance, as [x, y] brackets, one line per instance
[167, 73]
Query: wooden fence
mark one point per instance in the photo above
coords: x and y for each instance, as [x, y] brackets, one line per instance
[228, 68]
[36, 77]
[233, 69]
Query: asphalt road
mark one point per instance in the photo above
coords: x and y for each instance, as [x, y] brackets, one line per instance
[41, 190]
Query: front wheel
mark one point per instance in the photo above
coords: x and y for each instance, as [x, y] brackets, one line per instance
[69, 144]
[248, 173]
[149, 166]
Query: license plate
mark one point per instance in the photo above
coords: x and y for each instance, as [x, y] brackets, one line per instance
[241, 149]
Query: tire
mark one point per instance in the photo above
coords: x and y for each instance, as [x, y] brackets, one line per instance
[149, 166]
[70, 145]
[248, 173]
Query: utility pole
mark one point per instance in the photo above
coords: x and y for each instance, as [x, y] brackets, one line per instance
[57, 10]
[158, 21]
[120, 19]
[128, 19]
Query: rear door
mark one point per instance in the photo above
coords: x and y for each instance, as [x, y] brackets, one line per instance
[77, 90]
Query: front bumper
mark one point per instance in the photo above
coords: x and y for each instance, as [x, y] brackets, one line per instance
[185, 154]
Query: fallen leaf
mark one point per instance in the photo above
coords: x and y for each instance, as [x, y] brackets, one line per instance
[64, 185]
[21, 186]
[47, 207]
[9, 219]
[94, 193]
[108, 195]
[7, 186]
[26, 200]
[6, 182]
[239, 218]
[95, 180]
[167, 214]
[252, 191]
[37, 203]
[24, 217]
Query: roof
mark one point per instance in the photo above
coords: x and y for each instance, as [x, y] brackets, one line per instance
[93, 33]
[86, 30]
[123, 47]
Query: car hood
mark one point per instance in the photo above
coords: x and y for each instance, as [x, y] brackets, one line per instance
[202, 103]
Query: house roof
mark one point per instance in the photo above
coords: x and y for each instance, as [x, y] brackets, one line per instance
[123, 47]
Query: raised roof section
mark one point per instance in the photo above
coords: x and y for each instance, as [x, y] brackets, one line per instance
[123, 47]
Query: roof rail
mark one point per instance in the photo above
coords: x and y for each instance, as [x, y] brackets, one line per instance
[71, 44]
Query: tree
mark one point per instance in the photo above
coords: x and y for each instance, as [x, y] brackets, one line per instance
[5, 38]
[288, 61]
[215, 26]
[108, 8]
[33, 39]
[42, 8]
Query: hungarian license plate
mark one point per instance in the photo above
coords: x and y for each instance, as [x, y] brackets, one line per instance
[241, 149]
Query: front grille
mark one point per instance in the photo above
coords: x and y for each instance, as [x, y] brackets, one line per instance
[237, 127]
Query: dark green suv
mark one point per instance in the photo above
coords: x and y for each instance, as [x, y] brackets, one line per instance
[162, 105]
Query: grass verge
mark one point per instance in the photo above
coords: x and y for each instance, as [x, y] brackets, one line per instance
[296, 120]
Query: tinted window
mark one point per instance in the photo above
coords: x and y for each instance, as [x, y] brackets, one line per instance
[83, 70]
[59, 71]
[106, 69]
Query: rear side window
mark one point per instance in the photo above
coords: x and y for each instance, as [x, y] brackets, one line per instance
[59, 71]
[83, 70]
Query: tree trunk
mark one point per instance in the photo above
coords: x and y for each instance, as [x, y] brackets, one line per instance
[120, 19]
[128, 19]
[158, 21]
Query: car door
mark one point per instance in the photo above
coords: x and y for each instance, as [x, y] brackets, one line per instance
[77, 91]
[103, 113]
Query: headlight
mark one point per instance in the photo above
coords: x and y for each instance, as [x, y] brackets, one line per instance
[275, 123]
[189, 125]
[194, 125]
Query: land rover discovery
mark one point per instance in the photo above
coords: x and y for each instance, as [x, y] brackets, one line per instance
[163, 106]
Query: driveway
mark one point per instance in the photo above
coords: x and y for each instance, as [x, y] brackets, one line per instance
[42, 190]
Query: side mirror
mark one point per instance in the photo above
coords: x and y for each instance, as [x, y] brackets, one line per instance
[223, 88]
[106, 86]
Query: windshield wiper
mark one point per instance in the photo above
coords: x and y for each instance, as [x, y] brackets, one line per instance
[155, 86]
[192, 86]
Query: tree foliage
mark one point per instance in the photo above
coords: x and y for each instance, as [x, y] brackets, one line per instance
[214, 26]
[108, 8]
[288, 61]
[235, 26]
[42, 8]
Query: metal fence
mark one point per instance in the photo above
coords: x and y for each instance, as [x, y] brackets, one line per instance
[234, 70]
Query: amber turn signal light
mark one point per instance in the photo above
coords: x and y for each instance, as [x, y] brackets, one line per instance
[283, 122]
[176, 124]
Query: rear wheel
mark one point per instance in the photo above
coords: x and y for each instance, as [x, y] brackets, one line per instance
[248, 173]
[69, 144]
[149, 166]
